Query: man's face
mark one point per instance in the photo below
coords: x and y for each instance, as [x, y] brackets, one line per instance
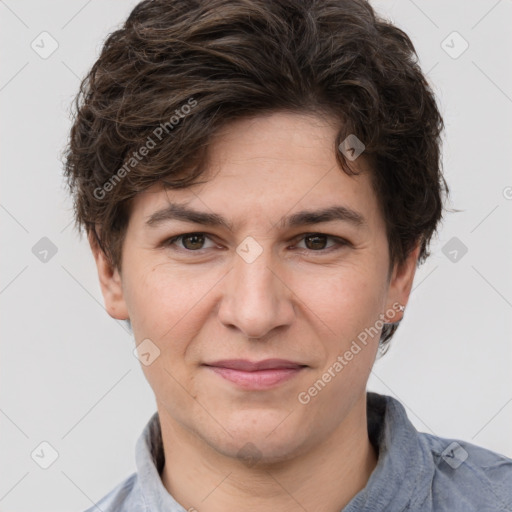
[264, 287]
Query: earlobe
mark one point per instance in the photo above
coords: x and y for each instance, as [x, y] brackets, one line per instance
[110, 282]
[401, 283]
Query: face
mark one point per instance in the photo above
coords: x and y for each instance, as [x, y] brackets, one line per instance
[252, 277]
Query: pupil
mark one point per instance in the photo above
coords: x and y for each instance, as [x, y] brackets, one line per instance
[318, 242]
[197, 241]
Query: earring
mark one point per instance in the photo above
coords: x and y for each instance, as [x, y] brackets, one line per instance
[400, 309]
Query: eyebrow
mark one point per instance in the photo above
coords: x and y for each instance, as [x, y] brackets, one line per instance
[174, 211]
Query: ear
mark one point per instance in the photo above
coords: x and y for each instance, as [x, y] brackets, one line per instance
[110, 282]
[400, 284]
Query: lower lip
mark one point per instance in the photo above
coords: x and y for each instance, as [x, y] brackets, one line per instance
[259, 379]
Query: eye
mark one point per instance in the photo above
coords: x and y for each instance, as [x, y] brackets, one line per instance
[318, 242]
[190, 241]
[312, 242]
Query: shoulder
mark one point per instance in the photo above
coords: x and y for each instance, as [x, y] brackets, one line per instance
[126, 496]
[467, 474]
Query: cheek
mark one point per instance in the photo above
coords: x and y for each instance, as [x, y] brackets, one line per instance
[347, 300]
[349, 304]
[167, 305]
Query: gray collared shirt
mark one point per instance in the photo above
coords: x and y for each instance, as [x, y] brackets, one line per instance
[415, 472]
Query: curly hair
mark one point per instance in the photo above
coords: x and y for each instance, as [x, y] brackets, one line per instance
[221, 60]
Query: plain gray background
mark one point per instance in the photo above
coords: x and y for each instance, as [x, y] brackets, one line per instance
[68, 374]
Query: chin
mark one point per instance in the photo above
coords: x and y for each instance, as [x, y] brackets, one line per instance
[270, 442]
[259, 453]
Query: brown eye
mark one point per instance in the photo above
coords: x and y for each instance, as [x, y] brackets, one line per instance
[315, 242]
[193, 241]
[321, 243]
[190, 242]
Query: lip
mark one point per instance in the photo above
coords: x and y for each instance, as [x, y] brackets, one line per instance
[256, 375]
[250, 366]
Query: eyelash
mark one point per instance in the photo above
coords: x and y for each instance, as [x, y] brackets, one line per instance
[339, 242]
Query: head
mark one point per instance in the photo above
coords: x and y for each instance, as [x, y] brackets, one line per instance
[231, 119]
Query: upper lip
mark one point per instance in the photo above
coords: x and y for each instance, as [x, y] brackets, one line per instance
[250, 366]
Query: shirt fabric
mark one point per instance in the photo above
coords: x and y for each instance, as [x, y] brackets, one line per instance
[415, 472]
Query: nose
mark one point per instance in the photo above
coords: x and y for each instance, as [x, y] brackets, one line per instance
[256, 299]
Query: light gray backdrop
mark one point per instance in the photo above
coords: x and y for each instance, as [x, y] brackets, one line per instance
[69, 378]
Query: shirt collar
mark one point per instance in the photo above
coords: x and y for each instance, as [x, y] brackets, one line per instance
[149, 460]
[401, 479]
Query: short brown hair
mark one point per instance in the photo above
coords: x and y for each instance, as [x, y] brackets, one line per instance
[231, 59]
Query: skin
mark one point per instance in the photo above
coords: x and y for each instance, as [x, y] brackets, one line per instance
[295, 301]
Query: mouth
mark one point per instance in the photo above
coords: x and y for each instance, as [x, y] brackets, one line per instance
[256, 375]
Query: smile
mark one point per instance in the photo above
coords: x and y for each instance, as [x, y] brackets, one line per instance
[257, 379]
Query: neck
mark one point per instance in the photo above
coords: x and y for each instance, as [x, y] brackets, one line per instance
[324, 477]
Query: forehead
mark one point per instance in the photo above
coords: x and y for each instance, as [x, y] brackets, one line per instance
[271, 166]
